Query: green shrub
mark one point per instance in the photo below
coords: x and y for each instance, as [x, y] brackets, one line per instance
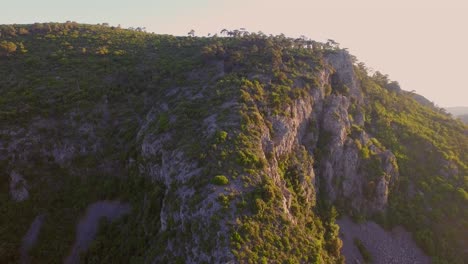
[220, 180]
[221, 136]
[7, 47]
[365, 152]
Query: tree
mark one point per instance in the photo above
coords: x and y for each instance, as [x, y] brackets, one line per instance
[381, 79]
[332, 44]
[21, 48]
[23, 31]
[102, 51]
[393, 86]
[191, 33]
[8, 31]
[236, 33]
[7, 48]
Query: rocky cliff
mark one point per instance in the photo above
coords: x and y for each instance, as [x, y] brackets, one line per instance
[229, 150]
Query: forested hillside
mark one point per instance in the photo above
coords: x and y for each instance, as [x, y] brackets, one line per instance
[235, 148]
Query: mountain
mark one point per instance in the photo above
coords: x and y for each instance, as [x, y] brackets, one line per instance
[121, 146]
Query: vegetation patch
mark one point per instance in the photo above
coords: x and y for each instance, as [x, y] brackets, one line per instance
[220, 180]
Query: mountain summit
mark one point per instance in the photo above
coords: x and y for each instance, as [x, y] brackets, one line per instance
[120, 146]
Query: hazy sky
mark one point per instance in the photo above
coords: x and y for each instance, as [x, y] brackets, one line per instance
[422, 44]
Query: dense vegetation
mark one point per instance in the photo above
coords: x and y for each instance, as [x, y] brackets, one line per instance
[431, 149]
[130, 85]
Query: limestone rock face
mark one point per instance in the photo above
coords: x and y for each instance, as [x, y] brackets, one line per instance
[343, 73]
[342, 168]
[325, 122]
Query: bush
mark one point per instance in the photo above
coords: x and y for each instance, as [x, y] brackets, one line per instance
[365, 153]
[221, 136]
[249, 159]
[220, 180]
[7, 47]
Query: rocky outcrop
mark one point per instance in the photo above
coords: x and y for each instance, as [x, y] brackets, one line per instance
[342, 74]
[324, 121]
[171, 167]
[342, 167]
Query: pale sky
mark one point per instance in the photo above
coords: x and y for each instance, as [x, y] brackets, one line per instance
[422, 44]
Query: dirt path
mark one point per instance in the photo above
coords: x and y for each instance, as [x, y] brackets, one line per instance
[385, 247]
[88, 226]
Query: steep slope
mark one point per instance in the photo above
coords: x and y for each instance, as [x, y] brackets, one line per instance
[239, 149]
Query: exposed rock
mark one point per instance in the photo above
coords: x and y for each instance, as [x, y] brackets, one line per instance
[341, 167]
[173, 168]
[289, 131]
[18, 187]
[343, 69]
[210, 124]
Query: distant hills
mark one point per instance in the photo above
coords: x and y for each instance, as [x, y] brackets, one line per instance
[459, 112]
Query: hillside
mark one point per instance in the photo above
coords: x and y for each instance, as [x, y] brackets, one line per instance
[239, 149]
